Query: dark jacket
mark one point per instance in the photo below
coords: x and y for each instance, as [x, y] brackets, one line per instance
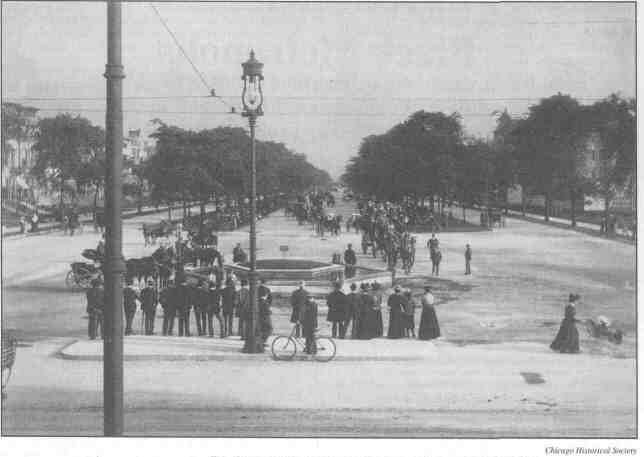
[262, 290]
[309, 317]
[298, 299]
[353, 304]
[183, 298]
[149, 299]
[129, 300]
[167, 298]
[214, 301]
[350, 257]
[95, 300]
[228, 299]
[337, 303]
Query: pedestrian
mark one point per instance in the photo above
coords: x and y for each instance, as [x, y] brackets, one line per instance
[149, 301]
[265, 322]
[567, 339]
[396, 304]
[468, 259]
[337, 311]
[263, 290]
[129, 305]
[214, 310]
[353, 307]
[239, 256]
[365, 316]
[183, 307]
[196, 300]
[228, 304]
[204, 300]
[168, 300]
[34, 222]
[428, 328]
[350, 261]
[308, 320]
[410, 308]
[298, 299]
[243, 309]
[378, 329]
[23, 224]
[95, 304]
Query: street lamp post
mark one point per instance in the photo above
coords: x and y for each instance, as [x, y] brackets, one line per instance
[252, 100]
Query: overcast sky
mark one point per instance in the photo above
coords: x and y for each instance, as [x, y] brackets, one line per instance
[334, 72]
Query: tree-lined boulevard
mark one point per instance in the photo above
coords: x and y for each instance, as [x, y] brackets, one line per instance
[497, 324]
[474, 182]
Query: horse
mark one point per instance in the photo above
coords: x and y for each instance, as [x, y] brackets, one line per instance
[408, 252]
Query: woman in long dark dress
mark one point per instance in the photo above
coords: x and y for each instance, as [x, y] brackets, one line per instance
[428, 328]
[567, 339]
[397, 317]
[378, 324]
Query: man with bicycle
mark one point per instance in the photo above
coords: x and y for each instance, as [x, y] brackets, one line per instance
[309, 323]
[298, 300]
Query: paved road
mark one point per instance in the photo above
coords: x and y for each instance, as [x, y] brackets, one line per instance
[513, 303]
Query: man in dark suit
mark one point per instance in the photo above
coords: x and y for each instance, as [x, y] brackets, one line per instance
[129, 306]
[264, 291]
[350, 262]
[353, 310]
[337, 313]
[95, 305]
[214, 310]
[228, 304]
[149, 301]
[183, 301]
[168, 301]
[309, 323]
[298, 299]
[243, 308]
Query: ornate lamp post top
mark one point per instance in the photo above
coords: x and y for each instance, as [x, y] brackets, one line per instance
[252, 97]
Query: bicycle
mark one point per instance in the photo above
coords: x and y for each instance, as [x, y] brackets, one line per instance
[285, 347]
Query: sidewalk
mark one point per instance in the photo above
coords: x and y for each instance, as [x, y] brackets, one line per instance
[87, 221]
[582, 227]
[175, 348]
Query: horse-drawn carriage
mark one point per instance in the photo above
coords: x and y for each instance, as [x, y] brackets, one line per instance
[163, 229]
[81, 275]
[492, 217]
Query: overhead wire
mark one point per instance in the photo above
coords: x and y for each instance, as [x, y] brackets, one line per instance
[209, 88]
[302, 97]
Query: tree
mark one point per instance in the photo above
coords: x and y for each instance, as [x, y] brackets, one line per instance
[614, 121]
[65, 146]
[414, 158]
[134, 184]
[189, 165]
[549, 145]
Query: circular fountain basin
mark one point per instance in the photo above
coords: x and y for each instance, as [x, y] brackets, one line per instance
[283, 275]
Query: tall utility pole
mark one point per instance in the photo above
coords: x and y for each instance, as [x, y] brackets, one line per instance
[114, 265]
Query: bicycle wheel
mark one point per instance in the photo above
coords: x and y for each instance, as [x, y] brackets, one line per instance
[283, 348]
[325, 349]
[70, 280]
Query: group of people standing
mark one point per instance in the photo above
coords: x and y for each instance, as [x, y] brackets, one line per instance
[358, 314]
[207, 302]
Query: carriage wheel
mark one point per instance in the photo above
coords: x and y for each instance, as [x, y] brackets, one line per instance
[70, 279]
[83, 281]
